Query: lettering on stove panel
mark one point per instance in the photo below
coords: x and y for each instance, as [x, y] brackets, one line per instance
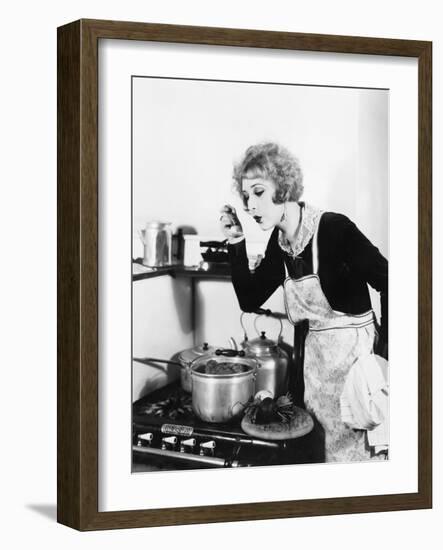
[177, 429]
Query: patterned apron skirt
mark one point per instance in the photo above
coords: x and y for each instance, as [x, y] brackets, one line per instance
[334, 342]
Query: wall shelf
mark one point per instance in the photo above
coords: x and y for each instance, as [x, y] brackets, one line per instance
[213, 271]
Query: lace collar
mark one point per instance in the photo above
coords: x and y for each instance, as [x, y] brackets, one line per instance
[310, 217]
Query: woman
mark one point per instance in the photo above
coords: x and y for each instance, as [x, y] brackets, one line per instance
[324, 263]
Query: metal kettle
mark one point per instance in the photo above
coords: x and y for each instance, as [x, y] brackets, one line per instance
[156, 239]
[273, 361]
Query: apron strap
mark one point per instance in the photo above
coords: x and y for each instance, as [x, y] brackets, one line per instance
[286, 269]
[315, 248]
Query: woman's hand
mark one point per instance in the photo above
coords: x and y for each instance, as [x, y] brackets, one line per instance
[230, 224]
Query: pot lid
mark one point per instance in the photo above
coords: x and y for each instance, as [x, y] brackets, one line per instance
[261, 345]
[224, 357]
[156, 224]
[188, 355]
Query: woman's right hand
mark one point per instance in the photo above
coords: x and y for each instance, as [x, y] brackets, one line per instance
[230, 224]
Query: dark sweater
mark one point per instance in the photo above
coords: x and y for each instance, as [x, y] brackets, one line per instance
[347, 262]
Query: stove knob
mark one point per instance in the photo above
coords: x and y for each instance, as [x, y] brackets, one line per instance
[169, 442]
[145, 439]
[207, 448]
[187, 445]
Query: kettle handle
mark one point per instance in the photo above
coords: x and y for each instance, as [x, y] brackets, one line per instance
[243, 326]
[245, 334]
[259, 311]
[259, 332]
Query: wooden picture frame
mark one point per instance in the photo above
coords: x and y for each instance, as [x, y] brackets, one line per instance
[77, 455]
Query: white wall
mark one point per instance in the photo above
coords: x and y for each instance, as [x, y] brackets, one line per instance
[187, 135]
[218, 316]
[172, 314]
[28, 356]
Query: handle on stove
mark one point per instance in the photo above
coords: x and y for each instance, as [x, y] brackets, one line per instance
[261, 311]
[214, 244]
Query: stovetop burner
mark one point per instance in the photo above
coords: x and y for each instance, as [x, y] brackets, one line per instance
[170, 403]
[167, 435]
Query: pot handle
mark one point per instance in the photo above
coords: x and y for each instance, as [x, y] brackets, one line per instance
[148, 360]
[230, 352]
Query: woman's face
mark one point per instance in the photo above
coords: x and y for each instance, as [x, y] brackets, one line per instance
[257, 196]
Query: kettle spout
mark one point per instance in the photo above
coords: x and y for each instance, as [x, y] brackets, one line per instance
[233, 343]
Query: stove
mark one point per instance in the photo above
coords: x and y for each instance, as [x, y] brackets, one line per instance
[167, 435]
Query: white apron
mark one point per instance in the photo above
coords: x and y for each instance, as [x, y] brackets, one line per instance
[333, 343]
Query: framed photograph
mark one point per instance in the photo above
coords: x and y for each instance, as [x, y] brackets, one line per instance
[244, 274]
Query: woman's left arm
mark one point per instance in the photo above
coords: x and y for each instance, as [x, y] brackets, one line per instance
[367, 261]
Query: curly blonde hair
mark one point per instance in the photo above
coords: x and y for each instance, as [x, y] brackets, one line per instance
[273, 162]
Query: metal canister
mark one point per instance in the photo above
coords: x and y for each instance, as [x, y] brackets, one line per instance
[156, 238]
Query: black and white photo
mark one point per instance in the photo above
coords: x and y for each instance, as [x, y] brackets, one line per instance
[260, 274]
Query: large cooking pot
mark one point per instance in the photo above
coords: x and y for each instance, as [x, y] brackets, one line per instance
[273, 361]
[222, 384]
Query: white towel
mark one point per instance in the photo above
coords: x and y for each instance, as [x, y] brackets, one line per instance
[365, 399]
